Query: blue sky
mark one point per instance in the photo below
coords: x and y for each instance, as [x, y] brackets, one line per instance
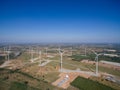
[81, 21]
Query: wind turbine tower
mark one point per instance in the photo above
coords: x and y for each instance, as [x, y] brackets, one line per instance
[46, 50]
[31, 54]
[96, 59]
[40, 56]
[71, 51]
[61, 58]
[5, 51]
[85, 51]
[8, 53]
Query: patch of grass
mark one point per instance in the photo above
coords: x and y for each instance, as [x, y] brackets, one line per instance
[24, 56]
[20, 72]
[87, 84]
[4, 85]
[18, 86]
[78, 57]
[21, 86]
[24, 81]
[1, 69]
[51, 76]
[109, 70]
[25, 74]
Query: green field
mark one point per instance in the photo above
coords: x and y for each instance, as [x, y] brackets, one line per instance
[16, 86]
[78, 57]
[87, 84]
[21, 86]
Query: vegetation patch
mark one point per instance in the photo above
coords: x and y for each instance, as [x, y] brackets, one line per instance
[21, 86]
[112, 59]
[18, 86]
[87, 84]
[78, 57]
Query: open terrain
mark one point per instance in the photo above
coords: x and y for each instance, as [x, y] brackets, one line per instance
[32, 70]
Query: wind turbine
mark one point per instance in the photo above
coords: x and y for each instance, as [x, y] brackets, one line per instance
[8, 53]
[96, 59]
[31, 54]
[71, 51]
[61, 58]
[40, 56]
[29, 50]
[5, 51]
[46, 50]
[85, 51]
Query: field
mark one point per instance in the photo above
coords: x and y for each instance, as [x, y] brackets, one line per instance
[87, 84]
[17, 80]
[22, 74]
